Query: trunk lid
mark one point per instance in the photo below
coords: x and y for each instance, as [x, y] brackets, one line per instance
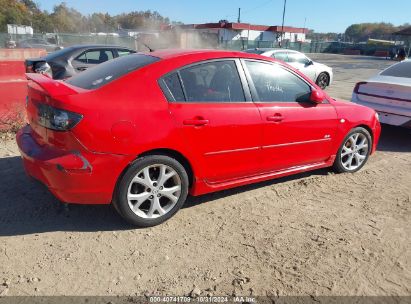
[385, 93]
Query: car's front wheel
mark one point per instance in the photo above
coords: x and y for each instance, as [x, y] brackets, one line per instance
[354, 151]
[323, 80]
[151, 190]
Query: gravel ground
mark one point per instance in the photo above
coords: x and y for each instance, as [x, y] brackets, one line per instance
[311, 234]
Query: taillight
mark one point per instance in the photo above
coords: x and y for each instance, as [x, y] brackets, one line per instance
[44, 68]
[358, 85]
[29, 68]
[57, 119]
[377, 116]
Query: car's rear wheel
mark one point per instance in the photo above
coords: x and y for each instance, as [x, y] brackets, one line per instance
[354, 151]
[151, 191]
[323, 80]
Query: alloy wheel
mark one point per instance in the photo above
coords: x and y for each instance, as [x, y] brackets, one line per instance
[154, 191]
[354, 151]
[322, 80]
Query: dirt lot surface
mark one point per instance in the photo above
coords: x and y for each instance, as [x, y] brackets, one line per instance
[313, 234]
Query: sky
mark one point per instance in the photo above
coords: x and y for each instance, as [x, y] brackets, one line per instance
[319, 15]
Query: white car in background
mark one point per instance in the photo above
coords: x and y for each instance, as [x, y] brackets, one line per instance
[388, 93]
[320, 73]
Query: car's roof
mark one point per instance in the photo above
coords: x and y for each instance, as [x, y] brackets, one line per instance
[82, 46]
[273, 50]
[68, 51]
[173, 53]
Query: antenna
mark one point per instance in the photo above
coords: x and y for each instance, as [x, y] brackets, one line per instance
[282, 26]
[149, 48]
[239, 15]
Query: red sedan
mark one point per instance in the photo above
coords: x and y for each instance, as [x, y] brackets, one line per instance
[144, 131]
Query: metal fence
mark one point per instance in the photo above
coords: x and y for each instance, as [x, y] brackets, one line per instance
[312, 47]
[162, 42]
[71, 39]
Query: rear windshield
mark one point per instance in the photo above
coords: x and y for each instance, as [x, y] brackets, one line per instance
[402, 69]
[106, 72]
[58, 53]
[258, 52]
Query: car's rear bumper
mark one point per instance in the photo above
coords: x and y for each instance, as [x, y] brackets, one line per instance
[388, 114]
[72, 176]
[394, 119]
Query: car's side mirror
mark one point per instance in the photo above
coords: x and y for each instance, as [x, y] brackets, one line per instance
[317, 96]
[309, 62]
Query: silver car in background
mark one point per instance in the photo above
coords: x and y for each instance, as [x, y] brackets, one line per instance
[320, 73]
[389, 94]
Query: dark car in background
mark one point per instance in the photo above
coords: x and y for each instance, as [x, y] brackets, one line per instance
[37, 43]
[74, 59]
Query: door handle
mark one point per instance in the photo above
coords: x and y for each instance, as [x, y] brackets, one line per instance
[81, 68]
[195, 122]
[277, 117]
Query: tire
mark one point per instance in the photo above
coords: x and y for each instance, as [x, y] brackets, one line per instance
[151, 190]
[354, 151]
[323, 80]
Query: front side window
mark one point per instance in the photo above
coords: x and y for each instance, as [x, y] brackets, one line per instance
[298, 57]
[276, 84]
[281, 56]
[213, 81]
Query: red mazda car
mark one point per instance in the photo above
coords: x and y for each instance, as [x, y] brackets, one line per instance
[145, 130]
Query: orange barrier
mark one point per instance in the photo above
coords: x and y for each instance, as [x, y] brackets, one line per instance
[12, 70]
[12, 104]
[13, 86]
[21, 54]
[352, 52]
[385, 54]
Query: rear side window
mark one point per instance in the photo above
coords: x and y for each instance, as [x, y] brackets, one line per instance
[173, 85]
[213, 81]
[123, 52]
[95, 57]
[111, 70]
[402, 69]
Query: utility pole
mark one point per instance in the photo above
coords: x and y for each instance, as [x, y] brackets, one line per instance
[282, 26]
[239, 15]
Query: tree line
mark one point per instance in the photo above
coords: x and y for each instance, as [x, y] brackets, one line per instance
[360, 32]
[381, 30]
[65, 19]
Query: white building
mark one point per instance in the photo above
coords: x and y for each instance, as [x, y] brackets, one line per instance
[18, 29]
[244, 31]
